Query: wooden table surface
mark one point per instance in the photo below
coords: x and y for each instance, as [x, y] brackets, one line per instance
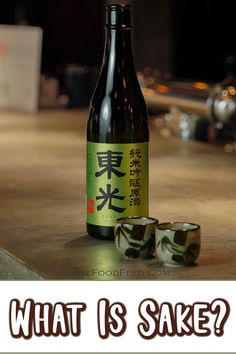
[42, 203]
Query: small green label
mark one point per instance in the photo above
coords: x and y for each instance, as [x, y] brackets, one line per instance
[117, 182]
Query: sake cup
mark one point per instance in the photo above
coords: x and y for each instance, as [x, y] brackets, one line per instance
[177, 243]
[135, 236]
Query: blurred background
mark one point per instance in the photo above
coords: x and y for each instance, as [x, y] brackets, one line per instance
[188, 41]
[184, 55]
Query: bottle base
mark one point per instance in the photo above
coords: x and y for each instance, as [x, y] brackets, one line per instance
[100, 232]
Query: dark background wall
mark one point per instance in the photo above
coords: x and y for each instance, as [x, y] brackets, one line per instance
[73, 30]
[203, 34]
[189, 39]
[152, 33]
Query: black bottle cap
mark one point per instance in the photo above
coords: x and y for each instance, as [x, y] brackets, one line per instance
[118, 16]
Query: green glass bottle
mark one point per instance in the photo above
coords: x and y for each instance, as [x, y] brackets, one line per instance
[117, 134]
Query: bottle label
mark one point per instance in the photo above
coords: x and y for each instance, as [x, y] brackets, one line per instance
[117, 182]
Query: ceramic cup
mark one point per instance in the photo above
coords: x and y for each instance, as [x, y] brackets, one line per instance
[135, 236]
[178, 243]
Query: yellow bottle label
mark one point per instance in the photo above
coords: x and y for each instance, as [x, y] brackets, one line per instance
[117, 182]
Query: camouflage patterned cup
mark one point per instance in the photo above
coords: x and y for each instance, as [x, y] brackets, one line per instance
[135, 236]
[178, 243]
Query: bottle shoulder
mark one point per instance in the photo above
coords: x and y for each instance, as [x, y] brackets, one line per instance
[120, 120]
[117, 111]
[122, 98]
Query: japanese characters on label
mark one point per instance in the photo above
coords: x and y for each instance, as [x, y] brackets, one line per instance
[117, 179]
[134, 181]
[108, 160]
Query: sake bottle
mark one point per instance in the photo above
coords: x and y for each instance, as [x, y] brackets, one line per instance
[117, 134]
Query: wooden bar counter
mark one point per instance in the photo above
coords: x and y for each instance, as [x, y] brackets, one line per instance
[42, 203]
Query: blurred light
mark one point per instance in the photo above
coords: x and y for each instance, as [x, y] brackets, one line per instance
[147, 70]
[158, 122]
[232, 90]
[150, 80]
[147, 91]
[219, 125]
[63, 100]
[165, 132]
[224, 93]
[228, 148]
[162, 88]
[200, 85]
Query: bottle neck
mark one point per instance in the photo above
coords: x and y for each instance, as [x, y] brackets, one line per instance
[118, 56]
